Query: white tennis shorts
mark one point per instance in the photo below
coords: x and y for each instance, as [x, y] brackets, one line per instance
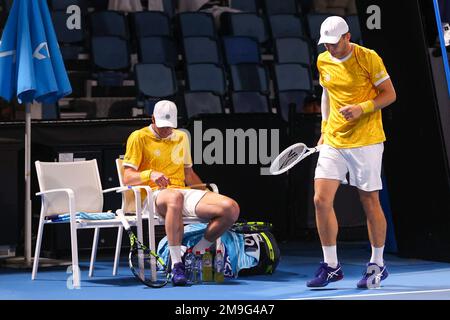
[363, 165]
[191, 198]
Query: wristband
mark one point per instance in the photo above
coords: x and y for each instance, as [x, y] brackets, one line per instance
[367, 106]
[145, 176]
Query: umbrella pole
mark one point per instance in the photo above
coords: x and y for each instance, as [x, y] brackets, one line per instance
[27, 245]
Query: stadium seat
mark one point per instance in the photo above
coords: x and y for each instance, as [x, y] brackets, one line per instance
[109, 23]
[71, 41]
[249, 77]
[201, 50]
[197, 103]
[272, 7]
[206, 77]
[292, 50]
[249, 102]
[155, 82]
[196, 24]
[169, 7]
[245, 5]
[314, 21]
[285, 98]
[241, 50]
[157, 50]
[150, 24]
[355, 29]
[62, 5]
[286, 25]
[245, 24]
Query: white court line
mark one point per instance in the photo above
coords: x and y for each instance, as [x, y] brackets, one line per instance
[371, 295]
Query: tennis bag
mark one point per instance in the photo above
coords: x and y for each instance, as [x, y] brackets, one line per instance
[260, 243]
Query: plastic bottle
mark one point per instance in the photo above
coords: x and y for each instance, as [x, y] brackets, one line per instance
[219, 267]
[189, 263]
[207, 265]
[198, 268]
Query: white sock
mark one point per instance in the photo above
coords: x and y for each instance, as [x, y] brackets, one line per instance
[202, 245]
[377, 256]
[175, 254]
[330, 256]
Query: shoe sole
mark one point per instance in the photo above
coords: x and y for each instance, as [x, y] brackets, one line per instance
[332, 280]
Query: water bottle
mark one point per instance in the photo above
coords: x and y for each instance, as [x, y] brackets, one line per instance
[189, 263]
[207, 266]
[198, 268]
[219, 267]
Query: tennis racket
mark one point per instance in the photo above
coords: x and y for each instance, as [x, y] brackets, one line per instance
[251, 227]
[290, 157]
[144, 263]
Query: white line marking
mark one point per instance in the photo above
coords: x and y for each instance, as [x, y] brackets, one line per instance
[371, 295]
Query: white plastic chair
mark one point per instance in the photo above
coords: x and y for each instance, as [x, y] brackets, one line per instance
[71, 187]
[132, 199]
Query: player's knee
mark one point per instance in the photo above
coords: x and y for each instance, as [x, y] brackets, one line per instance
[322, 203]
[230, 210]
[175, 200]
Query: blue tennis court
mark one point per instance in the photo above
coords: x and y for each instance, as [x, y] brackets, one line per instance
[409, 280]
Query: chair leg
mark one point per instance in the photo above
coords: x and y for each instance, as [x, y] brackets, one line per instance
[118, 247]
[75, 264]
[37, 251]
[94, 252]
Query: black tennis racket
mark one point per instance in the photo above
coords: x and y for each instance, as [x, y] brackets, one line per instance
[144, 263]
[251, 227]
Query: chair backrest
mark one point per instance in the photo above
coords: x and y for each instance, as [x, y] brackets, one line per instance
[314, 21]
[286, 25]
[293, 50]
[206, 77]
[290, 76]
[155, 80]
[80, 176]
[150, 23]
[157, 50]
[201, 50]
[249, 102]
[128, 200]
[249, 77]
[110, 53]
[247, 25]
[244, 5]
[241, 50]
[202, 102]
[355, 28]
[64, 34]
[109, 23]
[62, 5]
[280, 6]
[197, 24]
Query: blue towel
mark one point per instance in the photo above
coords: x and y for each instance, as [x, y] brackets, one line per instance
[82, 215]
[235, 256]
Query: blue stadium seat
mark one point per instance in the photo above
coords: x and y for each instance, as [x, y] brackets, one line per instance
[245, 5]
[197, 24]
[286, 25]
[62, 5]
[355, 29]
[71, 41]
[157, 50]
[314, 21]
[293, 84]
[201, 50]
[245, 24]
[206, 77]
[293, 50]
[169, 7]
[249, 77]
[111, 59]
[99, 5]
[197, 103]
[249, 102]
[155, 82]
[109, 23]
[241, 50]
[272, 7]
[150, 23]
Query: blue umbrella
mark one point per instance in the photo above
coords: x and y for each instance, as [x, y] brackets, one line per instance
[31, 69]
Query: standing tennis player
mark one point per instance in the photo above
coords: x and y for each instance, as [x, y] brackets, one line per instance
[356, 86]
[159, 155]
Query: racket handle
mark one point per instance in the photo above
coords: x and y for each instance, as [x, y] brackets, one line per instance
[123, 219]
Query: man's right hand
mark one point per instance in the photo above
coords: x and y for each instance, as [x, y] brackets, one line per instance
[160, 179]
[320, 140]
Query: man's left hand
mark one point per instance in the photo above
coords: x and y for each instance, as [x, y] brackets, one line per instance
[351, 113]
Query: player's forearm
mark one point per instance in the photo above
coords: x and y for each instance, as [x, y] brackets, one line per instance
[191, 177]
[135, 178]
[384, 99]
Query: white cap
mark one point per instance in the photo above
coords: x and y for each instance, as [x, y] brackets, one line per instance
[332, 29]
[165, 114]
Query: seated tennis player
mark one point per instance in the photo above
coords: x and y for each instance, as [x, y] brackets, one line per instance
[159, 156]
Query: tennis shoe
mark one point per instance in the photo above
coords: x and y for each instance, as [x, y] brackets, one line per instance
[373, 276]
[324, 275]
[179, 275]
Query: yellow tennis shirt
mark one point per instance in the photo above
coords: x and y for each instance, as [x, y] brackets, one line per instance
[146, 150]
[350, 81]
